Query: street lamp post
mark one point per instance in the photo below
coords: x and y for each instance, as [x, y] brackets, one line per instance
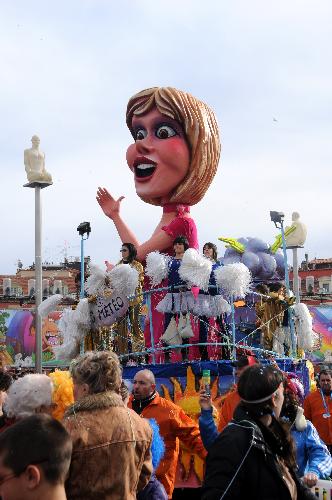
[278, 219]
[83, 229]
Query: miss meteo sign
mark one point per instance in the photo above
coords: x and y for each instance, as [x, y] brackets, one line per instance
[107, 310]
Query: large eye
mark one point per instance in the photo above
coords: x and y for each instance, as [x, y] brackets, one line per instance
[165, 131]
[140, 134]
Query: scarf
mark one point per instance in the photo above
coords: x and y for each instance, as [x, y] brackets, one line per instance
[139, 404]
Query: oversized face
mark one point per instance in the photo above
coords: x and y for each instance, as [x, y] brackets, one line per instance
[160, 156]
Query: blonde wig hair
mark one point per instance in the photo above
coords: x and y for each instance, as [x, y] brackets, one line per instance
[201, 130]
[100, 370]
[63, 395]
[27, 394]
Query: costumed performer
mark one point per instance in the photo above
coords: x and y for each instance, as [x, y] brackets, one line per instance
[179, 299]
[274, 319]
[210, 304]
[129, 254]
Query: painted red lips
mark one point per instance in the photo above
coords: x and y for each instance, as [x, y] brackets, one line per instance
[144, 168]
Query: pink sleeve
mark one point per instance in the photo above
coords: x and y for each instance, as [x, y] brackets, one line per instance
[183, 226]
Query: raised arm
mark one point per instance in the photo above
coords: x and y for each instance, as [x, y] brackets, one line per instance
[111, 208]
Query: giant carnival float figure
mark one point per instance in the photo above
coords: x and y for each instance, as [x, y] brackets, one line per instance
[174, 158]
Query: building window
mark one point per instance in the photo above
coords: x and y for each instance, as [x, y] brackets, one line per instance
[326, 287]
[309, 285]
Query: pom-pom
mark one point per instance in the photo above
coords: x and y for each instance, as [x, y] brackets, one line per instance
[233, 279]
[124, 279]
[195, 269]
[156, 267]
[303, 325]
[95, 283]
[49, 305]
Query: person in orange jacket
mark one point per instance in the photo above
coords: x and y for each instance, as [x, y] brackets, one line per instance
[232, 399]
[174, 425]
[318, 408]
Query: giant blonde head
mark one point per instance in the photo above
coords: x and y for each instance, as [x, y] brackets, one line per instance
[200, 128]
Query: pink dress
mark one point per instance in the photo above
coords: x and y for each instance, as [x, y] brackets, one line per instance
[179, 226]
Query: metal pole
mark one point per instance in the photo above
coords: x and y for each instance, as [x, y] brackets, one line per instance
[233, 326]
[296, 285]
[82, 284]
[148, 303]
[82, 268]
[291, 322]
[285, 256]
[38, 278]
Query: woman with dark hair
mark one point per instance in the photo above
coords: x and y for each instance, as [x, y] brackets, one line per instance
[179, 300]
[253, 458]
[128, 254]
[210, 304]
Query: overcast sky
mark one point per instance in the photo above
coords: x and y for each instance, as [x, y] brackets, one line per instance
[69, 67]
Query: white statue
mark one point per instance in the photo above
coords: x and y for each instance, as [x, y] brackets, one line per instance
[34, 161]
[297, 237]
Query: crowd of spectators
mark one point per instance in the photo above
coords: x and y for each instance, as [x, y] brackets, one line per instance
[111, 443]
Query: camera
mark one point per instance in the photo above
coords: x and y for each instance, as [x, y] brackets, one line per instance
[84, 228]
[277, 217]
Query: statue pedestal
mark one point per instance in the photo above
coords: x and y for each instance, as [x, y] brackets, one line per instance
[40, 184]
[296, 283]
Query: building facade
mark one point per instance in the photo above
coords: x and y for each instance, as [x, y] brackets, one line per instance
[315, 278]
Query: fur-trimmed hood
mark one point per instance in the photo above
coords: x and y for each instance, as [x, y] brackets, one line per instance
[97, 401]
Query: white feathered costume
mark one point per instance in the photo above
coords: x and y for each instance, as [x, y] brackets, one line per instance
[75, 324]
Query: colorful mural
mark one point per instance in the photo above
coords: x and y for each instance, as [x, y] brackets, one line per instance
[322, 324]
[17, 333]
